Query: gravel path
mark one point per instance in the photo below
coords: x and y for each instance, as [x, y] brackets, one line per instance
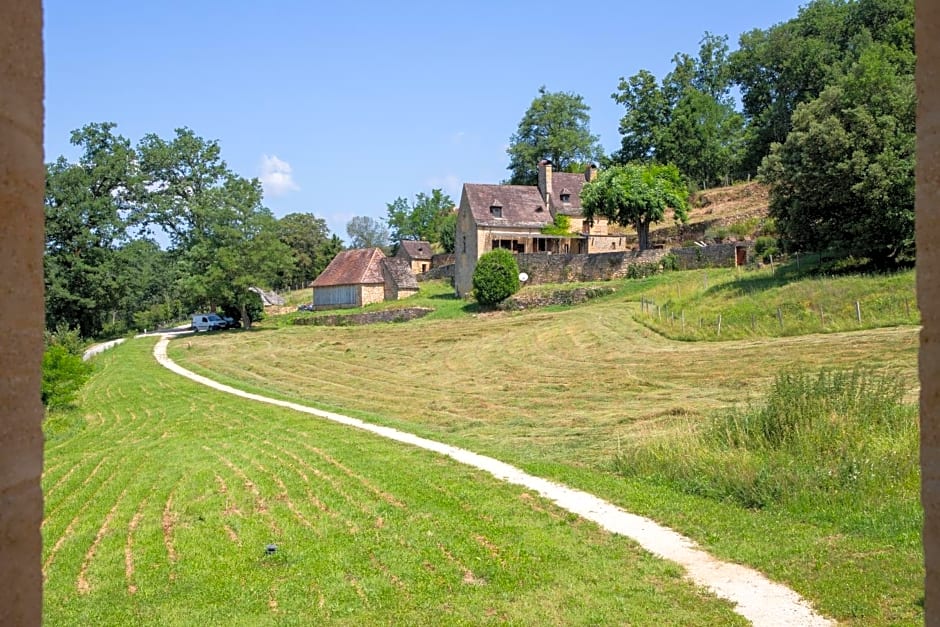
[100, 348]
[756, 598]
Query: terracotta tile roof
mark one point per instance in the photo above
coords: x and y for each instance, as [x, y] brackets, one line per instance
[399, 270]
[571, 184]
[519, 205]
[353, 267]
[415, 249]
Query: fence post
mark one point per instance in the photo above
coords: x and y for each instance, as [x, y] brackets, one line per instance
[705, 281]
[682, 315]
[719, 325]
[822, 316]
[907, 306]
[753, 324]
[858, 311]
[780, 317]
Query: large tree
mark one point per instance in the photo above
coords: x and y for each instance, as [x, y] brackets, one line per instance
[310, 242]
[793, 62]
[87, 205]
[844, 178]
[367, 232]
[555, 127]
[688, 120]
[636, 195]
[421, 220]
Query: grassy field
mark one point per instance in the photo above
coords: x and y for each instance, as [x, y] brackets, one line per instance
[564, 392]
[162, 497]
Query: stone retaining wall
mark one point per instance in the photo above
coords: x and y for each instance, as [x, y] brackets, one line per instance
[552, 268]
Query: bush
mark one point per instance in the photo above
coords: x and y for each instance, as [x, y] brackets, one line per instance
[766, 246]
[63, 374]
[496, 277]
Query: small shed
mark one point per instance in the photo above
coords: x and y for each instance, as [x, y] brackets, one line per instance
[400, 281]
[417, 253]
[353, 279]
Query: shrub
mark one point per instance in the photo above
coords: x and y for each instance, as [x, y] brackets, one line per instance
[496, 277]
[560, 226]
[63, 374]
[766, 246]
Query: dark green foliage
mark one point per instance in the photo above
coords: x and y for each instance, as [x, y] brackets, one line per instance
[843, 181]
[311, 245]
[448, 233]
[496, 277]
[764, 246]
[425, 219]
[555, 127]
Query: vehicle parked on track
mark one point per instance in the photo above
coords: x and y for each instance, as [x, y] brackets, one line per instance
[207, 322]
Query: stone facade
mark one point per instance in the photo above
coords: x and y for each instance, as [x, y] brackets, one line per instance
[369, 294]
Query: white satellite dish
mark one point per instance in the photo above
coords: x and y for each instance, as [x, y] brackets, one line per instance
[523, 277]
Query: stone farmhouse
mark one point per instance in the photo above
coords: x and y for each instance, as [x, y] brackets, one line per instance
[514, 217]
[417, 253]
[356, 278]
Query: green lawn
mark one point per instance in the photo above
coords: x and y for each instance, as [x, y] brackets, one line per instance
[564, 392]
[162, 497]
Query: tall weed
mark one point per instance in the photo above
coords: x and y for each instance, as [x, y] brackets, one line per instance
[833, 433]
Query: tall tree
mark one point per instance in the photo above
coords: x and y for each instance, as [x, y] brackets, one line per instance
[366, 232]
[793, 62]
[646, 116]
[555, 127]
[636, 195]
[421, 220]
[688, 120]
[844, 178]
[87, 205]
[310, 242]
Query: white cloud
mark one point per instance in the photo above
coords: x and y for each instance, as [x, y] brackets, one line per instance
[276, 176]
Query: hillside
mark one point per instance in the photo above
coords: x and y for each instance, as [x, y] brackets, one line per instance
[744, 204]
[566, 392]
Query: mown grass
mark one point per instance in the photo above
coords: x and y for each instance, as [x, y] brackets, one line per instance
[162, 496]
[564, 392]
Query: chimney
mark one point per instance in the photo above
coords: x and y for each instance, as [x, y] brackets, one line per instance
[545, 181]
[590, 173]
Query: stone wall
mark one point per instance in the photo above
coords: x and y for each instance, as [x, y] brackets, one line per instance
[438, 272]
[442, 259]
[711, 256]
[551, 268]
[21, 310]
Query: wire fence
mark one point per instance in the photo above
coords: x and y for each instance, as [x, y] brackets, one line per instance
[784, 319]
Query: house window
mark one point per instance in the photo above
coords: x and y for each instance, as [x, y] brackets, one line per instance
[566, 198]
[496, 211]
[424, 267]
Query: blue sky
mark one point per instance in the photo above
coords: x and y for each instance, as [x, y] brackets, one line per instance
[341, 107]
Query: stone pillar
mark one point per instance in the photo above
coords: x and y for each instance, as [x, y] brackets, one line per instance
[21, 310]
[928, 287]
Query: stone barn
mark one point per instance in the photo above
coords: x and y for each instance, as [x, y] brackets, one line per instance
[353, 279]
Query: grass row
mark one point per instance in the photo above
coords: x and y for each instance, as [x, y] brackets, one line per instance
[162, 497]
[567, 392]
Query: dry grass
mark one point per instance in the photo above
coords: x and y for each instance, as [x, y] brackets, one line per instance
[564, 386]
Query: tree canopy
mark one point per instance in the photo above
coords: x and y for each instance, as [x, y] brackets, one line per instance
[367, 232]
[104, 271]
[555, 127]
[636, 195]
[424, 219]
